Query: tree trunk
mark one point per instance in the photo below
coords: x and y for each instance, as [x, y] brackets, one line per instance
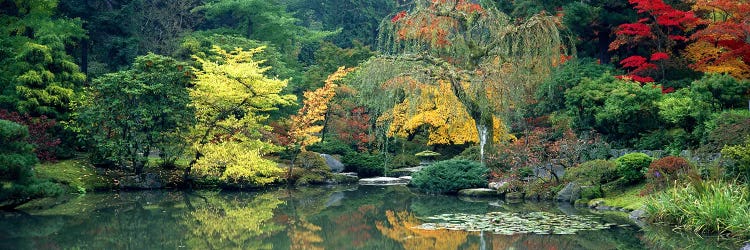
[481, 114]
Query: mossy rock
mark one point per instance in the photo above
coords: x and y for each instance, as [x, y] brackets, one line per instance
[342, 179]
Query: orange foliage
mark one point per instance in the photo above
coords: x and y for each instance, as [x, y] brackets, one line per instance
[724, 42]
[434, 26]
[304, 128]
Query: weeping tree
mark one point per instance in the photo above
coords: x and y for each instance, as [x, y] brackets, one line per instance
[462, 63]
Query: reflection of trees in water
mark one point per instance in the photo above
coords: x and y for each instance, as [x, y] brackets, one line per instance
[402, 228]
[304, 235]
[224, 223]
[355, 225]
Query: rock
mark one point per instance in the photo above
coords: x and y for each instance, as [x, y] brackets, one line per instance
[343, 178]
[498, 185]
[143, 181]
[408, 178]
[350, 174]
[570, 193]
[404, 171]
[478, 192]
[746, 247]
[335, 165]
[637, 214]
[383, 181]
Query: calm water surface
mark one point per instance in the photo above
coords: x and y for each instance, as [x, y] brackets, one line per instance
[339, 217]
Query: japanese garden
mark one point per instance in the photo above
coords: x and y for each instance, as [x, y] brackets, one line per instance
[375, 124]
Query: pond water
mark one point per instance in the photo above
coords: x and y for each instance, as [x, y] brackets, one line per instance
[337, 217]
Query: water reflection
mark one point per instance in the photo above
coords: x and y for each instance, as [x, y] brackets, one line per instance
[231, 221]
[341, 217]
[402, 228]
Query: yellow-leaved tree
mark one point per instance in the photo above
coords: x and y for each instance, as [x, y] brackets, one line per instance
[231, 97]
[455, 66]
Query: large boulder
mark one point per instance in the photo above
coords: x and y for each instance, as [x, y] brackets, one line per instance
[570, 193]
[335, 165]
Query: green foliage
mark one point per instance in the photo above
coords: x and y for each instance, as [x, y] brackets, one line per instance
[232, 97]
[38, 76]
[591, 192]
[632, 166]
[449, 176]
[595, 172]
[262, 20]
[124, 115]
[730, 127]
[684, 109]
[200, 44]
[551, 92]
[723, 90]
[705, 207]
[629, 110]
[619, 109]
[75, 173]
[366, 165]
[673, 140]
[739, 157]
[587, 99]
[541, 189]
[404, 161]
[311, 160]
[17, 181]
[358, 20]
[328, 58]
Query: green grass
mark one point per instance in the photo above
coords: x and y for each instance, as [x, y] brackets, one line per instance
[627, 197]
[705, 207]
[76, 173]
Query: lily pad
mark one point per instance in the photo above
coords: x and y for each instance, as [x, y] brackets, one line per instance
[515, 223]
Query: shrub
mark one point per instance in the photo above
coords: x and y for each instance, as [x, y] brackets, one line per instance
[18, 184]
[404, 161]
[366, 165]
[596, 172]
[540, 189]
[632, 166]
[706, 207]
[450, 176]
[311, 160]
[662, 172]
[728, 128]
[590, 192]
[739, 161]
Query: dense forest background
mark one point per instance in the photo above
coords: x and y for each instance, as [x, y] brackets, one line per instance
[223, 91]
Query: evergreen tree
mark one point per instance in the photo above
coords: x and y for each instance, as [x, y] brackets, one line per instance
[17, 182]
[38, 77]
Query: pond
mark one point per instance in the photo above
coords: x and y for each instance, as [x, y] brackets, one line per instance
[336, 217]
